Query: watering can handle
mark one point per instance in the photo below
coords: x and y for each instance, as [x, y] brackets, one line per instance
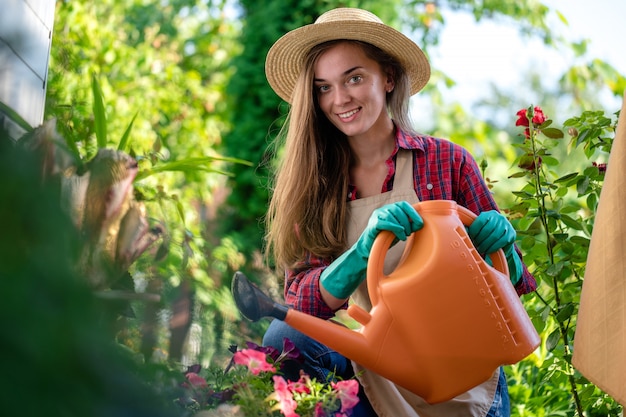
[383, 241]
[498, 258]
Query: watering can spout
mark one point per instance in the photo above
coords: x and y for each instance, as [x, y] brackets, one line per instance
[252, 302]
[254, 305]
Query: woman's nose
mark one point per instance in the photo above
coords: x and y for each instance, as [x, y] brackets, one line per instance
[341, 96]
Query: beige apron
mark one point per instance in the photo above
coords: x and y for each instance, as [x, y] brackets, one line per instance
[388, 399]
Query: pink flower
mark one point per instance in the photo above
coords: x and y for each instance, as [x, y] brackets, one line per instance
[289, 352]
[284, 397]
[196, 380]
[255, 361]
[348, 393]
[319, 410]
[301, 385]
[270, 351]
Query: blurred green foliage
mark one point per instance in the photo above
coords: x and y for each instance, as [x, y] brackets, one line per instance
[58, 355]
[150, 79]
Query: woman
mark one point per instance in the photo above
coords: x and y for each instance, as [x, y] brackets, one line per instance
[353, 166]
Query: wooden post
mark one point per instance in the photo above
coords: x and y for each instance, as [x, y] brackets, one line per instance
[600, 340]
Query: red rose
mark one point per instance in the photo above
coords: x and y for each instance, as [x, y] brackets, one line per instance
[538, 117]
[522, 119]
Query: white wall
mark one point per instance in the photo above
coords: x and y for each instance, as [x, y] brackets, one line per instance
[25, 39]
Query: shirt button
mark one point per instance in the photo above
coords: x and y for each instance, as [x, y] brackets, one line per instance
[429, 186]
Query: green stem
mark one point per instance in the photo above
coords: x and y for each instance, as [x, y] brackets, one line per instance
[541, 200]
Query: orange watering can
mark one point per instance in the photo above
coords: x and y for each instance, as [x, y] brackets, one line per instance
[441, 323]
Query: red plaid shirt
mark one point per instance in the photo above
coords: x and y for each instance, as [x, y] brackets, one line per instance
[443, 170]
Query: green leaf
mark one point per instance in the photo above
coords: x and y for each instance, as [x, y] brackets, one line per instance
[570, 222]
[202, 164]
[554, 270]
[583, 185]
[591, 171]
[580, 241]
[550, 161]
[553, 133]
[518, 174]
[545, 124]
[527, 243]
[587, 392]
[582, 135]
[553, 214]
[553, 340]
[99, 113]
[538, 322]
[592, 201]
[565, 312]
[181, 210]
[561, 192]
[566, 177]
[522, 194]
[124, 141]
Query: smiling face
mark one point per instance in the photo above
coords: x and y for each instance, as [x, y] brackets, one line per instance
[351, 90]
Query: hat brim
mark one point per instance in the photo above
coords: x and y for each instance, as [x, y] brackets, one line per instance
[285, 58]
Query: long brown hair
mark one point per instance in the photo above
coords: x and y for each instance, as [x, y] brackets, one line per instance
[308, 208]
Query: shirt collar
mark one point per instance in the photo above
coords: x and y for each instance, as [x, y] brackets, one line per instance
[408, 141]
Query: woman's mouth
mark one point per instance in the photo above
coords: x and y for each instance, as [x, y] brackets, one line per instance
[348, 114]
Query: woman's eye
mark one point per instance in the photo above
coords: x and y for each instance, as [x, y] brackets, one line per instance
[355, 79]
[322, 88]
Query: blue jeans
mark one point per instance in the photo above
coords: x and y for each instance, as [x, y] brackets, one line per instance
[501, 406]
[321, 363]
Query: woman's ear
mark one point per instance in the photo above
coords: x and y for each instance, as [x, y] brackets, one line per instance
[390, 83]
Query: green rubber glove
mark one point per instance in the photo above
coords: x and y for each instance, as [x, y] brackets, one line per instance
[347, 272]
[491, 231]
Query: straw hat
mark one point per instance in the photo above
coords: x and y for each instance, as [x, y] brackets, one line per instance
[285, 58]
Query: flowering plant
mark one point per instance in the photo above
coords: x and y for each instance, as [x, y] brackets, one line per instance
[554, 215]
[252, 385]
[535, 122]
